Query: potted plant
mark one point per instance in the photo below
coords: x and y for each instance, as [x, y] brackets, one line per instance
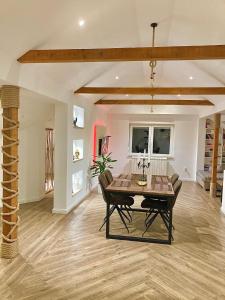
[100, 165]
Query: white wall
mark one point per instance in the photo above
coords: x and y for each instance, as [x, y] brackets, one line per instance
[185, 149]
[62, 186]
[64, 166]
[33, 116]
[185, 142]
[201, 144]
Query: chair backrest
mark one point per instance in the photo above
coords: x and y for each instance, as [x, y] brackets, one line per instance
[177, 186]
[174, 178]
[108, 175]
[103, 184]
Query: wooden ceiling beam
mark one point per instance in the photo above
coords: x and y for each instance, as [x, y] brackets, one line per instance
[206, 52]
[154, 102]
[152, 91]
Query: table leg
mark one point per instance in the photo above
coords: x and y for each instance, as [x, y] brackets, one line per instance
[170, 226]
[107, 220]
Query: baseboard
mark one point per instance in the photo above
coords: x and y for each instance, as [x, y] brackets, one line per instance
[65, 211]
[59, 211]
[223, 210]
[188, 179]
[22, 201]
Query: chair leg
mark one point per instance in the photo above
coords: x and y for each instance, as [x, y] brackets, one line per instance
[127, 210]
[128, 219]
[170, 236]
[166, 224]
[121, 217]
[150, 222]
[148, 215]
[168, 218]
[105, 219]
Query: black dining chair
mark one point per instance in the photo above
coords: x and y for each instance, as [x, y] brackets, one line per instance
[109, 177]
[116, 201]
[162, 207]
[174, 178]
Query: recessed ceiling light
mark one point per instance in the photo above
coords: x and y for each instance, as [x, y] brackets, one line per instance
[178, 95]
[81, 22]
[117, 77]
[191, 77]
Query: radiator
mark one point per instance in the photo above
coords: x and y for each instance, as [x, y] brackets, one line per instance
[158, 166]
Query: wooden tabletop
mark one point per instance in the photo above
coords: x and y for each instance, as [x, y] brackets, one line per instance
[156, 185]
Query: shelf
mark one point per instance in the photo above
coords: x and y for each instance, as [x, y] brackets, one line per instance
[75, 160]
[77, 182]
[208, 153]
[78, 150]
[78, 116]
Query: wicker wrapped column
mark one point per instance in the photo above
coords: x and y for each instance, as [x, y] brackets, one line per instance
[213, 183]
[10, 219]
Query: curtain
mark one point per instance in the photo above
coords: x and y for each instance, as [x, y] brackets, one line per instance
[105, 145]
[49, 163]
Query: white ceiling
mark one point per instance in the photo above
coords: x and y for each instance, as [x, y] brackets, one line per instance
[30, 24]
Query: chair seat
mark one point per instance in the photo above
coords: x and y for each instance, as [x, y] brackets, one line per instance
[121, 200]
[154, 203]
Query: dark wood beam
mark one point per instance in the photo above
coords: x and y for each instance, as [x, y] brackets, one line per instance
[153, 91]
[216, 132]
[154, 102]
[125, 54]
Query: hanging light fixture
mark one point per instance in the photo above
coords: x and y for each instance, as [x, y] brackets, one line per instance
[151, 110]
[153, 63]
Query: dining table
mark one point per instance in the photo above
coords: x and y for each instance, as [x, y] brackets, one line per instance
[157, 187]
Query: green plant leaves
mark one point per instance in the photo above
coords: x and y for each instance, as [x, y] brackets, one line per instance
[99, 166]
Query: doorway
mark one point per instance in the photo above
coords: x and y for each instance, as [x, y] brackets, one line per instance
[49, 160]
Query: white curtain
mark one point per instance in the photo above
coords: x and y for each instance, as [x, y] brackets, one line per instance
[49, 163]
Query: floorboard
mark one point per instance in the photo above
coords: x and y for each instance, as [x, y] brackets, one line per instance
[66, 257]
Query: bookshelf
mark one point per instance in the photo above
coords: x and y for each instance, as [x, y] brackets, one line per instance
[209, 136]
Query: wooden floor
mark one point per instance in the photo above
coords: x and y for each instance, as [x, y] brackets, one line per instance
[65, 257]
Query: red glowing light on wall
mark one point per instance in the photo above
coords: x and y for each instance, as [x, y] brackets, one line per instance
[94, 142]
[97, 123]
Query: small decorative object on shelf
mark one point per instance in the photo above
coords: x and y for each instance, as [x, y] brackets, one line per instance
[78, 117]
[77, 154]
[143, 163]
[75, 122]
[78, 150]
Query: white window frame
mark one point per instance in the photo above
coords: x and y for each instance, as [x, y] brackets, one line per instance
[151, 127]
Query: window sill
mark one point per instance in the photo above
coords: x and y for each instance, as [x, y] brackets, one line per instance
[152, 156]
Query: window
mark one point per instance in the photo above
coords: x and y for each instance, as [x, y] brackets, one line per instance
[154, 139]
[140, 137]
[161, 140]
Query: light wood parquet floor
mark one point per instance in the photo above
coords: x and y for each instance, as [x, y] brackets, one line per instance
[65, 257]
